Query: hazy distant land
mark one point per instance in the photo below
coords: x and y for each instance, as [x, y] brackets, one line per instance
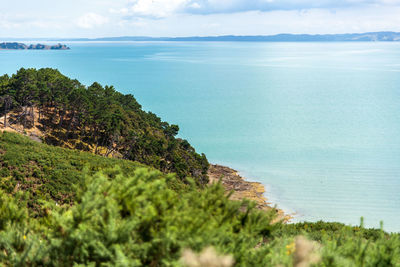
[283, 37]
[349, 37]
[21, 46]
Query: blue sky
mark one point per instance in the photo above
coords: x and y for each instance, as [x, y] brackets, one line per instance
[98, 18]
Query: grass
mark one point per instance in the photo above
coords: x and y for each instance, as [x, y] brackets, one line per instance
[48, 172]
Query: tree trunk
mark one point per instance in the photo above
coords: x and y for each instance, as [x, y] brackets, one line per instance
[83, 130]
[113, 146]
[61, 114]
[93, 132]
[32, 113]
[24, 113]
[71, 122]
[95, 150]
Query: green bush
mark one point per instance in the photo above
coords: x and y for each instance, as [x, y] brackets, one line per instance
[137, 221]
[132, 215]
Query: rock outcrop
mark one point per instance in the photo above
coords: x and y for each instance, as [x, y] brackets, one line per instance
[21, 46]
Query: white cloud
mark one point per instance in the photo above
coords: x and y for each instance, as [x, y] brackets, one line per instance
[91, 20]
[153, 8]
[21, 21]
[164, 8]
[24, 18]
[311, 21]
[195, 5]
[389, 2]
[236, 6]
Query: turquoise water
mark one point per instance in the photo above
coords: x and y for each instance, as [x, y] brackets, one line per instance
[317, 123]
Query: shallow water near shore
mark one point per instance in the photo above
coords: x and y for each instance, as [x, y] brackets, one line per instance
[317, 123]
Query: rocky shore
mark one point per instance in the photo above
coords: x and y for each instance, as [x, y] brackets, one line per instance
[232, 181]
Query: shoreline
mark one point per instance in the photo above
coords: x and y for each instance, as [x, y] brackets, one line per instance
[231, 180]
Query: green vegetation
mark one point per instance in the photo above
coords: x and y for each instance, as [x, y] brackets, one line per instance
[97, 119]
[119, 213]
[48, 172]
[131, 221]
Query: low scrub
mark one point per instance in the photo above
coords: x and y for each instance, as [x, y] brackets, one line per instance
[120, 213]
[138, 220]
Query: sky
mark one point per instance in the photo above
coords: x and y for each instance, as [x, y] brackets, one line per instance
[106, 18]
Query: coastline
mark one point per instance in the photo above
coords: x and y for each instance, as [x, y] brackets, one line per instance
[232, 181]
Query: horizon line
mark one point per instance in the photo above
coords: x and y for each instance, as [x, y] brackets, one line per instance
[203, 36]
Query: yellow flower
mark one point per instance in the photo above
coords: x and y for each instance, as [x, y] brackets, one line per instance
[291, 245]
[290, 248]
[24, 237]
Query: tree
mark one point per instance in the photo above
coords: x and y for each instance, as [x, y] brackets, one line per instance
[24, 86]
[7, 102]
[172, 130]
[99, 119]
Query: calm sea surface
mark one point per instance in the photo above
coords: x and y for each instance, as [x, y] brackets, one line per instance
[317, 123]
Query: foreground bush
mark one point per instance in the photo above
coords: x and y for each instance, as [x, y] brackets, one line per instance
[132, 216]
[138, 220]
[134, 221]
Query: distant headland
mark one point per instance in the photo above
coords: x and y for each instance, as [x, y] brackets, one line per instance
[21, 46]
[284, 37]
[383, 36]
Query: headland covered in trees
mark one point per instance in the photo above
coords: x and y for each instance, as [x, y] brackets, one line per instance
[113, 185]
[97, 119]
[21, 46]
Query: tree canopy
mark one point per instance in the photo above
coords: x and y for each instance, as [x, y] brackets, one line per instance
[99, 119]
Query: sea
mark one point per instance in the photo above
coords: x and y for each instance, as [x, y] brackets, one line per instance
[317, 123]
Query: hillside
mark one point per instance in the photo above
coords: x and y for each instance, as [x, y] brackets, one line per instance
[51, 173]
[60, 207]
[96, 119]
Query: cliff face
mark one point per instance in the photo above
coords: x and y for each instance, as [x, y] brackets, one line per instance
[21, 46]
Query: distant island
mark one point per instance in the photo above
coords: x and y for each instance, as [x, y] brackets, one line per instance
[348, 37]
[21, 46]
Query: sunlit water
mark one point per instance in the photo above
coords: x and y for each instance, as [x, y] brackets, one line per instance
[317, 123]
